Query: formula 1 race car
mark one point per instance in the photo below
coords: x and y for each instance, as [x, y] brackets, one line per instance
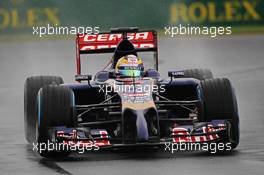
[109, 111]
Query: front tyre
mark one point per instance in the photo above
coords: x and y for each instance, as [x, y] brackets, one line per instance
[31, 87]
[56, 107]
[220, 103]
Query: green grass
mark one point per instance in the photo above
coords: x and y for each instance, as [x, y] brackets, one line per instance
[251, 29]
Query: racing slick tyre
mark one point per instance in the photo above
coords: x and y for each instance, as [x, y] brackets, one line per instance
[31, 87]
[56, 107]
[200, 74]
[220, 103]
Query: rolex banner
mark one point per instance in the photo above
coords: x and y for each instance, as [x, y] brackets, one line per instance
[18, 17]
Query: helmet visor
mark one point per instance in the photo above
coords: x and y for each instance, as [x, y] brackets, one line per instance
[130, 73]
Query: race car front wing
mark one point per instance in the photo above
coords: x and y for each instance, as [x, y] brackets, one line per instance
[200, 132]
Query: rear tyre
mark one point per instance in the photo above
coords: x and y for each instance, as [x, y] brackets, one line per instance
[200, 74]
[220, 103]
[31, 88]
[56, 107]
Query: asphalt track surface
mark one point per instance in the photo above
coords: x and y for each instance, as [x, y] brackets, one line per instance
[240, 58]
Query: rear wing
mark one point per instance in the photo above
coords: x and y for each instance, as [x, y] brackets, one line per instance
[106, 42]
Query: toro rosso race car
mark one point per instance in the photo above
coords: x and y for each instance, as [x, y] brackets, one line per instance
[126, 105]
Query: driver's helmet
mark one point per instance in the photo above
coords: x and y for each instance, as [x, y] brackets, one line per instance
[129, 66]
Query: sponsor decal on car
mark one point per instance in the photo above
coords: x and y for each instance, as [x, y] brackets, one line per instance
[183, 134]
[110, 40]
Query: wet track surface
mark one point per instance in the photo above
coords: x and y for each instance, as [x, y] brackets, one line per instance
[240, 58]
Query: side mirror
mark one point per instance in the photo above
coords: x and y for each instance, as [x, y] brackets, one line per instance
[83, 78]
[176, 74]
